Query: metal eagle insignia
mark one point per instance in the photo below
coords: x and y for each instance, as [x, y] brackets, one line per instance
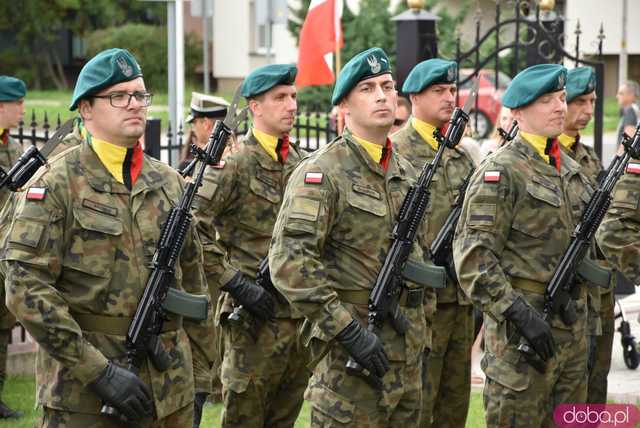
[374, 64]
[451, 74]
[126, 69]
[561, 81]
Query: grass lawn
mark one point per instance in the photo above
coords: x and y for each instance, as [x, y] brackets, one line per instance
[19, 393]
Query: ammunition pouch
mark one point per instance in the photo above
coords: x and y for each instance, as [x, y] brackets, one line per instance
[427, 275]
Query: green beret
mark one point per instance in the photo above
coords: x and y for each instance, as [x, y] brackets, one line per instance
[429, 73]
[266, 77]
[580, 81]
[106, 69]
[12, 89]
[533, 82]
[370, 63]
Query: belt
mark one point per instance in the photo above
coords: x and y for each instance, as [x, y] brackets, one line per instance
[409, 297]
[117, 326]
[529, 285]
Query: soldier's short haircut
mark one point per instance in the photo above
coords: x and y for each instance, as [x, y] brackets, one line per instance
[633, 87]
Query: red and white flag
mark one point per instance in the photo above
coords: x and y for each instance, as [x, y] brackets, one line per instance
[321, 33]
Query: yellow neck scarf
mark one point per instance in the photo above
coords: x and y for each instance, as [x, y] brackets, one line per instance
[426, 131]
[539, 143]
[123, 163]
[374, 150]
[268, 142]
[567, 141]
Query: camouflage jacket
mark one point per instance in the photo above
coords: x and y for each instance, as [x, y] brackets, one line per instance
[77, 261]
[331, 238]
[453, 169]
[587, 158]
[516, 222]
[9, 154]
[619, 233]
[236, 208]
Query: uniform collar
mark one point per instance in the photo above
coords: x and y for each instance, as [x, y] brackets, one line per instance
[391, 158]
[547, 148]
[568, 141]
[379, 154]
[426, 131]
[277, 148]
[4, 136]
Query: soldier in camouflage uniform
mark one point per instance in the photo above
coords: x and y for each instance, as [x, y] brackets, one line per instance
[581, 96]
[447, 368]
[77, 259]
[330, 240]
[619, 233]
[517, 218]
[263, 377]
[12, 93]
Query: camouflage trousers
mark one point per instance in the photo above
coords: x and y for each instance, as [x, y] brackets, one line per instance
[5, 335]
[53, 418]
[447, 368]
[597, 388]
[342, 400]
[263, 381]
[524, 398]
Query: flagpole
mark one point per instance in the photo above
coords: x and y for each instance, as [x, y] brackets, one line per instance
[340, 124]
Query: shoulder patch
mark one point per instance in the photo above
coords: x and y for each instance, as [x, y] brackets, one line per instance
[313, 177]
[633, 168]
[492, 176]
[36, 193]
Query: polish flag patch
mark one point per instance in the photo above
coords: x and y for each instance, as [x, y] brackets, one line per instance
[219, 165]
[313, 177]
[36, 193]
[633, 168]
[492, 176]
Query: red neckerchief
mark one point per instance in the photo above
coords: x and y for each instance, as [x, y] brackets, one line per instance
[5, 137]
[553, 150]
[282, 149]
[386, 155]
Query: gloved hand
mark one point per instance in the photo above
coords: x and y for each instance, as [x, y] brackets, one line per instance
[365, 347]
[123, 390]
[531, 325]
[252, 297]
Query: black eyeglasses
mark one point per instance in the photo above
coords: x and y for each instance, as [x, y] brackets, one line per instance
[399, 122]
[123, 99]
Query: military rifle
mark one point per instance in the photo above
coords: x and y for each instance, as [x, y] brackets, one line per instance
[383, 302]
[557, 295]
[32, 159]
[158, 298]
[440, 249]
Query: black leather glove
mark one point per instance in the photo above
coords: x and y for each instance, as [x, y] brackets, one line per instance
[531, 325]
[252, 297]
[123, 390]
[365, 347]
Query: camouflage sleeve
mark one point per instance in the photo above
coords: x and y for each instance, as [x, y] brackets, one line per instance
[619, 233]
[218, 190]
[481, 234]
[201, 333]
[32, 261]
[297, 246]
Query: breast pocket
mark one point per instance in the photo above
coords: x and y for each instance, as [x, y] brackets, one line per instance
[92, 245]
[363, 221]
[539, 213]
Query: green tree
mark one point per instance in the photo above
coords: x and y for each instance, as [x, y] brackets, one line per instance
[37, 27]
[148, 43]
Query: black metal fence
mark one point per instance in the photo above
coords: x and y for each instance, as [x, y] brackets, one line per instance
[310, 129]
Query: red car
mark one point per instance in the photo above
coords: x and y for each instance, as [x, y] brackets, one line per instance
[489, 104]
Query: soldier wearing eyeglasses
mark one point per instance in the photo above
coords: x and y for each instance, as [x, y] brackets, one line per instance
[77, 259]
